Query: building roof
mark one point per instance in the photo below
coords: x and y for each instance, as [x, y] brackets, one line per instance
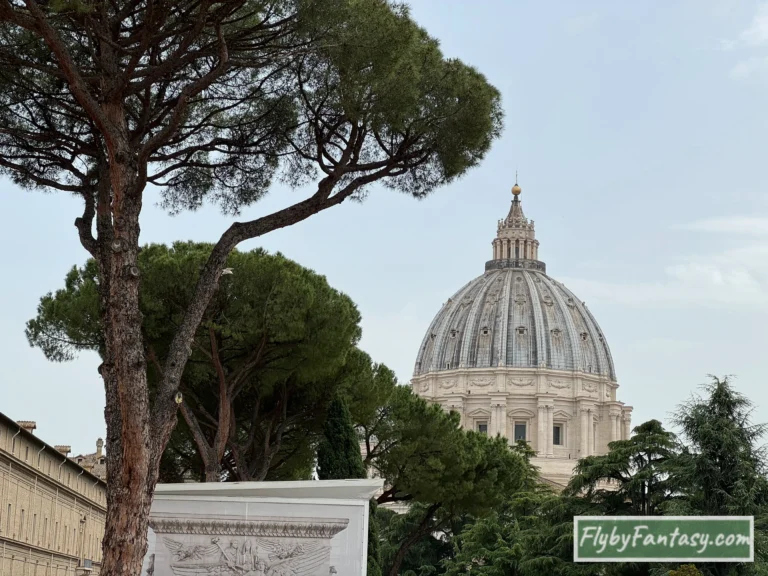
[10, 422]
[514, 315]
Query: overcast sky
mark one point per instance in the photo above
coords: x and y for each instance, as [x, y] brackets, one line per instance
[639, 130]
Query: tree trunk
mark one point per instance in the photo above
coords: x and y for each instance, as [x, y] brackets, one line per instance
[132, 468]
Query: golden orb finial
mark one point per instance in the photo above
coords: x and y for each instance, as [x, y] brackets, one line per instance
[516, 189]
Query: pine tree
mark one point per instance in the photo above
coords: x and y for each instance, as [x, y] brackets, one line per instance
[339, 458]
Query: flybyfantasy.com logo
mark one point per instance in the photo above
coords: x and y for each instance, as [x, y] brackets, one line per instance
[663, 539]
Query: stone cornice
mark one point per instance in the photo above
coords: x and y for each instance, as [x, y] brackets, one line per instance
[278, 527]
[59, 556]
[513, 372]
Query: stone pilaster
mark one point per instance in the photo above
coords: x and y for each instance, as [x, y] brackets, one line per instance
[615, 426]
[541, 436]
[498, 423]
[550, 424]
[627, 420]
[584, 432]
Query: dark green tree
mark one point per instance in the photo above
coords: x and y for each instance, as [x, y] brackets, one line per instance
[210, 101]
[440, 470]
[633, 477]
[338, 456]
[266, 360]
[529, 533]
[722, 470]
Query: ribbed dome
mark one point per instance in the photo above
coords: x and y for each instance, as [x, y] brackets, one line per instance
[514, 317]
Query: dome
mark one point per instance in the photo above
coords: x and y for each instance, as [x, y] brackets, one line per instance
[518, 318]
[514, 315]
[516, 354]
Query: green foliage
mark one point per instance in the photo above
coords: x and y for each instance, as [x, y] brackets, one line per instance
[633, 478]
[722, 469]
[338, 456]
[425, 556]
[374, 542]
[306, 83]
[442, 471]
[686, 570]
[717, 469]
[282, 335]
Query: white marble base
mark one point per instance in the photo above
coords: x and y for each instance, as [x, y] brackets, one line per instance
[315, 528]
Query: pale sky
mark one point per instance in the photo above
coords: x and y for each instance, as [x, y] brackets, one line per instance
[640, 132]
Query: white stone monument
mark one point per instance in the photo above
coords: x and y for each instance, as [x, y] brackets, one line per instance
[307, 528]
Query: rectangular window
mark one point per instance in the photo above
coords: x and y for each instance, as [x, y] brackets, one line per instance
[21, 525]
[13, 446]
[26, 454]
[34, 527]
[557, 435]
[56, 537]
[482, 427]
[8, 521]
[45, 532]
[66, 538]
[520, 431]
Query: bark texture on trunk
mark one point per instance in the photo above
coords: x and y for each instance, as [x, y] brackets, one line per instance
[132, 471]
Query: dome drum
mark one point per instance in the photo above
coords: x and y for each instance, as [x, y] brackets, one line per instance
[510, 263]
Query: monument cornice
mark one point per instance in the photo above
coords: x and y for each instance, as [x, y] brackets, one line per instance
[275, 527]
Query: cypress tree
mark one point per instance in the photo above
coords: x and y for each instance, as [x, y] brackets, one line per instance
[339, 458]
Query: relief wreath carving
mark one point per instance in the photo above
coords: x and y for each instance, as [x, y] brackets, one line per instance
[260, 547]
[589, 387]
[481, 382]
[559, 384]
[448, 384]
[521, 382]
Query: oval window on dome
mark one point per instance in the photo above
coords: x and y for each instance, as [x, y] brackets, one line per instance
[484, 331]
[584, 336]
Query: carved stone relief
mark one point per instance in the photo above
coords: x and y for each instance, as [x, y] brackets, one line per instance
[559, 384]
[481, 382]
[448, 384]
[520, 382]
[196, 546]
[424, 387]
[589, 387]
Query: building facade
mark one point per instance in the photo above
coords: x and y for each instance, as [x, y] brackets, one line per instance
[516, 353]
[52, 510]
